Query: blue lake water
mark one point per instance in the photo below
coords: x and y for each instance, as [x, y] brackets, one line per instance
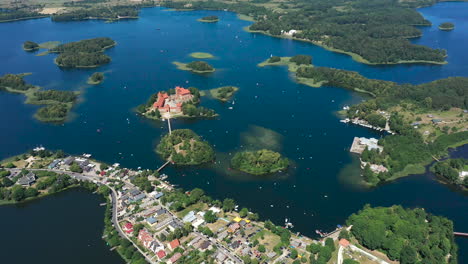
[317, 193]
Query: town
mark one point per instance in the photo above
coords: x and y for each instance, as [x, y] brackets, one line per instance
[166, 224]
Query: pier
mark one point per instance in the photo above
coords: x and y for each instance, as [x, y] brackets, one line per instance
[169, 125]
[164, 165]
[460, 234]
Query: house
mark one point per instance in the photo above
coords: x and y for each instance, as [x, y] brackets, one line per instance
[139, 197]
[344, 243]
[68, 161]
[151, 221]
[53, 164]
[221, 257]
[27, 180]
[271, 254]
[160, 212]
[174, 258]
[215, 210]
[436, 121]
[190, 217]
[158, 195]
[145, 238]
[174, 224]
[233, 227]
[360, 144]
[155, 246]
[128, 228]
[173, 244]
[198, 222]
[161, 254]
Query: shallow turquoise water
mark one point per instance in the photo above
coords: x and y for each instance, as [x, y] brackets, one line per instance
[315, 194]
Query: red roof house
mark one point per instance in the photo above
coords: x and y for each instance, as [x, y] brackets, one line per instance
[174, 258]
[182, 91]
[162, 96]
[174, 244]
[145, 238]
[161, 254]
[103, 173]
[344, 243]
[128, 228]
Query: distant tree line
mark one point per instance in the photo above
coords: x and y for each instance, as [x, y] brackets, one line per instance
[108, 12]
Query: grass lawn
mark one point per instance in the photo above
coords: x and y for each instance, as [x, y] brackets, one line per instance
[269, 240]
[194, 207]
[201, 55]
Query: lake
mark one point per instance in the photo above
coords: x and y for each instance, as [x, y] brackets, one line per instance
[318, 192]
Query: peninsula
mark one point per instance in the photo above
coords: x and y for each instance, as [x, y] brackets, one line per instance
[259, 162]
[454, 171]
[57, 103]
[178, 102]
[195, 67]
[147, 220]
[184, 147]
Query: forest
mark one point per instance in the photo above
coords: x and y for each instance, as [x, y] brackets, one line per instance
[83, 53]
[259, 162]
[378, 31]
[7, 15]
[185, 147]
[107, 13]
[200, 66]
[14, 82]
[86, 46]
[53, 113]
[82, 60]
[450, 170]
[406, 235]
[56, 95]
[30, 46]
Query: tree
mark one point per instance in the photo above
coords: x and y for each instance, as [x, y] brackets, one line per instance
[210, 217]
[17, 193]
[261, 248]
[408, 255]
[294, 253]
[228, 204]
[31, 192]
[243, 212]
[350, 261]
[253, 216]
[74, 167]
[344, 234]
[301, 59]
[330, 244]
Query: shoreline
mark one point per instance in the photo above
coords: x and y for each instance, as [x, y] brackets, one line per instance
[356, 57]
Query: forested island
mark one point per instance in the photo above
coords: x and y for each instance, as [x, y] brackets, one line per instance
[57, 103]
[173, 103]
[209, 19]
[447, 26]
[96, 78]
[224, 93]
[455, 171]
[259, 162]
[185, 147]
[86, 53]
[30, 46]
[195, 66]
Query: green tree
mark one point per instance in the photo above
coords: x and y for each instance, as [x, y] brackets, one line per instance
[261, 248]
[74, 167]
[243, 212]
[210, 217]
[228, 204]
[294, 253]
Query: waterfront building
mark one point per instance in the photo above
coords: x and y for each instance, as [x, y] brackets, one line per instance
[360, 144]
[172, 103]
[27, 180]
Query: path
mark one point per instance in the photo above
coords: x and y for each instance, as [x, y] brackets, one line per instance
[169, 125]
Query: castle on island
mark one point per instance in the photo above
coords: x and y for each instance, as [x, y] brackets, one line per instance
[172, 103]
